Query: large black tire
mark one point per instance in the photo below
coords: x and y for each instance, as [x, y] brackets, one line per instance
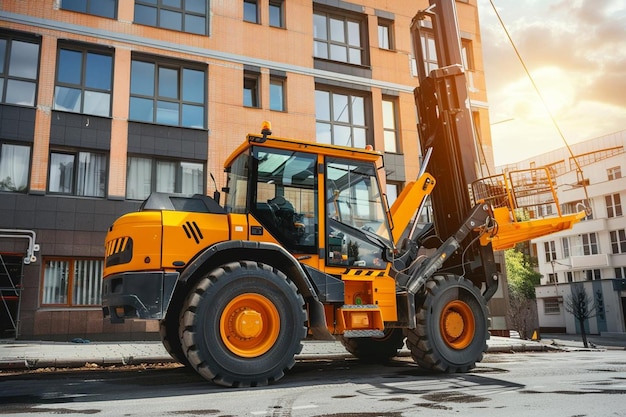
[243, 324]
[452, 330]
[375, 349]
[170, 337]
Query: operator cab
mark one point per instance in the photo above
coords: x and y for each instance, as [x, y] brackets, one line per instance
[313, 199]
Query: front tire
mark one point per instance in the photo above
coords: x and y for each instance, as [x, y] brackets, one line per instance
[243, 324]
[452, 331]
[168, 330]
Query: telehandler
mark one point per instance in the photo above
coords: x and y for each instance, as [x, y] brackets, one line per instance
[305, 246]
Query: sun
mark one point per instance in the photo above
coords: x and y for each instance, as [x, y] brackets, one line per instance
[555, 94]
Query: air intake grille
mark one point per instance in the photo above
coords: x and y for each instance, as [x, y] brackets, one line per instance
[118, 251]
[193, 231]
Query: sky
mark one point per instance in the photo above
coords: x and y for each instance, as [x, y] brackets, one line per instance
[575, 50]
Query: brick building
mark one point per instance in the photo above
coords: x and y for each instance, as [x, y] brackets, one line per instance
[104, 101]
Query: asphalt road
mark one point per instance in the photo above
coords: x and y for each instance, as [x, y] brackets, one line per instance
[567, 384]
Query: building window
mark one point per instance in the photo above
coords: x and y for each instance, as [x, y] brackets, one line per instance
[72, 282]
[146, 175]
[620, 272]
[385, 34]
[390, 125]
[77, 173]
[251, 89]
[277, 13]
[340, 119]
[166, 93]
[575, 207]
[613, 205]
[251, 11]
[584, 244]
[19, 64]
[392, 190]
[83, 82]
[14, 167]
[277, 93]
[553, 278]
[593, 274]
[570, 276]
[550, 249]
[551, 306]
[430, 52]
[467, 55]
[183, 16]
[103, 8]
[614, 173]
[338, 38]
[565, 242]
[618, 241]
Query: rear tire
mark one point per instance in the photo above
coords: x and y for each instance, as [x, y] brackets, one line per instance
[375, 349]
[243, 324]
[452, 331]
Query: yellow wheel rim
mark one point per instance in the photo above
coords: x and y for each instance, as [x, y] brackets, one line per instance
[249, 325]
[457, 324]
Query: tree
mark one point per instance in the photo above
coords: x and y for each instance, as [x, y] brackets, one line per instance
[522, 279]
[582, 307]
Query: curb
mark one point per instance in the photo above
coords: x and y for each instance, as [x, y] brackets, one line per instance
[29, 364]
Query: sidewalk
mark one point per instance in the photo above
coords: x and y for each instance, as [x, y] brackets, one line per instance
[15, 354]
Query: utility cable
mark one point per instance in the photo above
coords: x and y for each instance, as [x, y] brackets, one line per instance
[579, 171]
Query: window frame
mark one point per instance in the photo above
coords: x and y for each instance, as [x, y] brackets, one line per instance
[90, 6]
[178, 175]
[387, 26]
[614, 173]
[70, 287]
[156, 99]
[257, 18]
[613, 205]
[331, 44]
[583, 244]
[593, 274]
[280, 6]
[7, 75]
[160, 9]
[549, 306]
[85, 52]
[550, 250]
[4, 186]
[618, 241]
[251, 90]
[387, 130]
[76, 154]
[392, 191]
[335, 124]
[429, 47]
[278, 81]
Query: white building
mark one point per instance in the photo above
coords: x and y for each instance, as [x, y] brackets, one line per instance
[593, 252]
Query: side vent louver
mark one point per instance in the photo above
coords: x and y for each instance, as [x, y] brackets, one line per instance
[118, 251]
[193, 231]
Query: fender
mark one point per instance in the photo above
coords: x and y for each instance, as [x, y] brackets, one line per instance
[271, 254]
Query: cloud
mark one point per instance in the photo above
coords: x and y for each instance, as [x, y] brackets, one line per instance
[575, 51]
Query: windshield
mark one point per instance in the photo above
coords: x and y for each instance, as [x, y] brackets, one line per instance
[353, 196]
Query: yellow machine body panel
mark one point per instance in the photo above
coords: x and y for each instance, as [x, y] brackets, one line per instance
[133, 243]
[510, 232]
[186, 234]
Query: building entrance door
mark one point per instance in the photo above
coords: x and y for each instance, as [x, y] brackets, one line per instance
[10, 289]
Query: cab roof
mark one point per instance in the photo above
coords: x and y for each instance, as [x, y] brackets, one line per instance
[276, 142]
